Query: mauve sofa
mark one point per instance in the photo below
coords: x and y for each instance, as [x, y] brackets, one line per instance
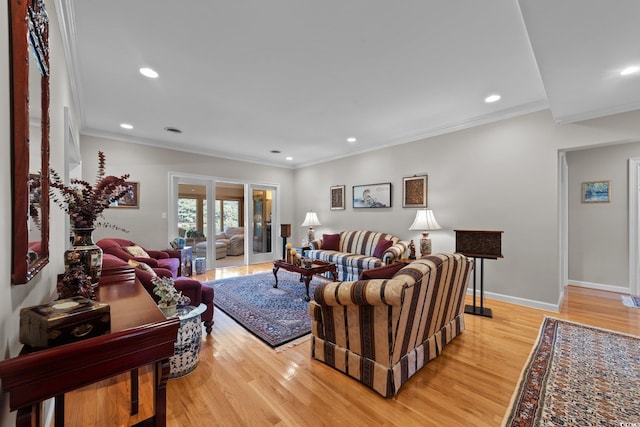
[113, 268]
[157, 259]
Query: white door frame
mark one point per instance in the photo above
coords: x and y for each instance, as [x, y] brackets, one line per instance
[176, 178]
[634, 218]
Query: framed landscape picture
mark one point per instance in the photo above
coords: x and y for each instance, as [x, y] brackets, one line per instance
[372, 195]
[596, 192]
[414, 191]
[337, 197]
[129, 200]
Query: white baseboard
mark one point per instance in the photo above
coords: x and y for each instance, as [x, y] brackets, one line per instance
[520, 301]
[601, 287]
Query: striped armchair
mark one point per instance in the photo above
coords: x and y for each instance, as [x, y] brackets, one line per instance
[356, 252]
[382, 331]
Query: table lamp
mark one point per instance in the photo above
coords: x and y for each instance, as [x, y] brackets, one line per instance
[310, 220]
[425, 221]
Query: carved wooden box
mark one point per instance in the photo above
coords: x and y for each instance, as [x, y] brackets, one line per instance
[63, 321]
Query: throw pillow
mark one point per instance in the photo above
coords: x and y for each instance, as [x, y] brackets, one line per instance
[142, 266]
[382, 272]
[136, 251]
[381, 246]
[331, 242]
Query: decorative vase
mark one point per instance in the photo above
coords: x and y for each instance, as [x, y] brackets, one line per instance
[167, 310]
[86, 253]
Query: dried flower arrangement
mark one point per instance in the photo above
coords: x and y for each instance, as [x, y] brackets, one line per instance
[85, 203]
[164, 288]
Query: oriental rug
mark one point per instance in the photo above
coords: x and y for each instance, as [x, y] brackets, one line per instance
[578, 375]
[278, 316]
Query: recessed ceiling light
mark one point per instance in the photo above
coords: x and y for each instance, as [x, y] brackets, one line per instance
[172, 130]
[289, 158]
[630, 70]
[492, 98]
[351, 139]
[148, 72]
[126, 126]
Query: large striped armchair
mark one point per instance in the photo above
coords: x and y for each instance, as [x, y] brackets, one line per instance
[356, 252]
[382, 331]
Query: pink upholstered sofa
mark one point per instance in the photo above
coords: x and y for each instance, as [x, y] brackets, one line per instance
[155, 259]
[114, 268]
[382, 331]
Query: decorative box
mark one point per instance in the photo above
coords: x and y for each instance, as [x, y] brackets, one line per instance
[63, 321]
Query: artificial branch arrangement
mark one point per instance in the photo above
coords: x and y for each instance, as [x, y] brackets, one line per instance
[85, 203]
[164, 288]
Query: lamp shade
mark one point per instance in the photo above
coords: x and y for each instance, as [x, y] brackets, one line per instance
[425, 221]
[310, 220]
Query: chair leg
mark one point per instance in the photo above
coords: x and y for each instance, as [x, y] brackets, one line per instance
[208, 325]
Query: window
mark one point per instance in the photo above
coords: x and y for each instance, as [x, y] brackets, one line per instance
[192, 214]
[228, 214]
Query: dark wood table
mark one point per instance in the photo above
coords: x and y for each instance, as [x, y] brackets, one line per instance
[317, 267]
[140, 335]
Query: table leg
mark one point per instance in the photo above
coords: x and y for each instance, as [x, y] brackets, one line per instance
[134, 391]
[275, 274]
[307, 280]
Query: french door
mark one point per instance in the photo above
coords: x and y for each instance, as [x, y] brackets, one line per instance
[261, 203]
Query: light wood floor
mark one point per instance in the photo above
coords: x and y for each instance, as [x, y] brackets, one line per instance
[242, 382]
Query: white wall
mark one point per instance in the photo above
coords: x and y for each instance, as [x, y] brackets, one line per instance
[500, 176]
[151, 166]
[39, 289]
[598, 232]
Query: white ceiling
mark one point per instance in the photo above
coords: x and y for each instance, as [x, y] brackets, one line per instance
[243, 77]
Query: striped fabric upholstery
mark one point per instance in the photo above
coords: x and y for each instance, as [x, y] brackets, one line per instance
[355, 252]
[383, 331]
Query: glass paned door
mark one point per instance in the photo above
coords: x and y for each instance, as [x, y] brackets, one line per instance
[262, 214]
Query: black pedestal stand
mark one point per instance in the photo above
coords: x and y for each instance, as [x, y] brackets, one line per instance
[480, 310]
[284, 248]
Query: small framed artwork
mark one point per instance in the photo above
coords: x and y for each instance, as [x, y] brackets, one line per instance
[596, 192]
[337, 197]
[414, 191]
[372, 195]
[131, 199]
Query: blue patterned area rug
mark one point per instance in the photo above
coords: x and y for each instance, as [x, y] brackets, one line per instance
[578, 375]
[278, 316]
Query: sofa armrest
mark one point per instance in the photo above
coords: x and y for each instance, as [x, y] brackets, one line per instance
[236, 238]
[157, 254]
[395, 252]
[190, 288]
[315, 244]
[361, 292]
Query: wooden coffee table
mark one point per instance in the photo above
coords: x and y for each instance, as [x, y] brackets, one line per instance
[317, 267]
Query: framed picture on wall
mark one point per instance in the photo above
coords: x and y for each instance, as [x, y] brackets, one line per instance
[372, 195]
[337, 197]
[596, 192]
[414, 191]
[129, 200]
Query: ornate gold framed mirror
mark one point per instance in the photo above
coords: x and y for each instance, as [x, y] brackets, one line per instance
[29, 58]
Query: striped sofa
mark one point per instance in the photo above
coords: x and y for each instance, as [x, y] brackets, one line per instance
[382, 331]
[355, 252]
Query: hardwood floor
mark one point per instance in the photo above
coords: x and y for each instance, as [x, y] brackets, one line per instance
[242, 382]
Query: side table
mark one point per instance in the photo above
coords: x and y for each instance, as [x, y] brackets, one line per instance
[185, 255]
[187, 346]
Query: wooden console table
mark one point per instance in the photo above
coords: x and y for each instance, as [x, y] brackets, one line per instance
[140, 335]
